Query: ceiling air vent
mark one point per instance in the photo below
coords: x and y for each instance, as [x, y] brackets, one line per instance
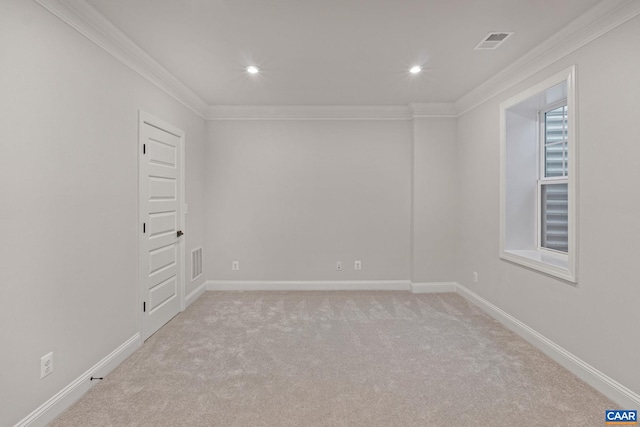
[492, 41]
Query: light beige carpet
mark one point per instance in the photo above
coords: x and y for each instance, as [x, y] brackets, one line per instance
[337, 359]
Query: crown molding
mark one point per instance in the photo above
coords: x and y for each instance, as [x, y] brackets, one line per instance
[329, 112]
[307, 112]
[91, 24]
[600, 19]
[433, 109]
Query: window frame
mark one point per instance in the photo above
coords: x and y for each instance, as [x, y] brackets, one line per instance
[548, 261]
[542, 138]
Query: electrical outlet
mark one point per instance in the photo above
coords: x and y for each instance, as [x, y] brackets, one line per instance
[475, 277]
[358, 265]
[46, 365]
[339, 265]
[235, 265]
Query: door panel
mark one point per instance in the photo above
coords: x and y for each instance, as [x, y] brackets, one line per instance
[162, 259]
[160, 207]
[162, 223]
[162, 189]
[163, 293]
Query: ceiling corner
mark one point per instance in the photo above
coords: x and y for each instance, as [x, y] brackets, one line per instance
[90, 23]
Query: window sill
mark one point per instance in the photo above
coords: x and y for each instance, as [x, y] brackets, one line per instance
[546, 262]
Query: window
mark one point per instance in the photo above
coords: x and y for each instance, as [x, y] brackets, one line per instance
[553, 194]
[538, 179]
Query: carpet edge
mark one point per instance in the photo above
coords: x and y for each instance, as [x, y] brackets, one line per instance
[308, 285]
[606, 385]
[66, 397]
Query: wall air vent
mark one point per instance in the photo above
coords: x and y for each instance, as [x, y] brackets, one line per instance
[492, 41]
[196, 263]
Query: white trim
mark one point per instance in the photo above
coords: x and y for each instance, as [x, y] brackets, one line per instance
[66, 397]
[308, 285]
[330, 285]
[541, 86]
[307, 112]
[329, 112]
[530, 257]
[433, 109]
[606, 385]
[90, 23]
[433, 287]
[195, 294]
[597, 21]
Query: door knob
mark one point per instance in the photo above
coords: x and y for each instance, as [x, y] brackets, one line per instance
[179, 233]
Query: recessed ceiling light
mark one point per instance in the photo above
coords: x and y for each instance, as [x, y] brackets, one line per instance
[252, 69]
[415, 69]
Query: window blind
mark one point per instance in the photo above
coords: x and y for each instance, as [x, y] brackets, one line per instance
[554, 194]
[555, 143]
[555, 216]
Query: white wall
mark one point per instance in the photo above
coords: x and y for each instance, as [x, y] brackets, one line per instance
[435, 189]
[597, 320]
[289, 198]
[68, 185]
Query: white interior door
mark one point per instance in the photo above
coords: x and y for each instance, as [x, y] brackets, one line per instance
[162, 251]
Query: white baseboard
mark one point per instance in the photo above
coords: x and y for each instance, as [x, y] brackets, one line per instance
[620, 394]
[310, 285]
[195, 294]
[330, 285]
[615, 391]
[433, 287]
[74, 391]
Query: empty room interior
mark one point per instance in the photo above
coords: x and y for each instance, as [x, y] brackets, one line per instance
[309, 213]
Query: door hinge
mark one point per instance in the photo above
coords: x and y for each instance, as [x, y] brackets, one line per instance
[144, 227]
[144, 148]
[144, 306]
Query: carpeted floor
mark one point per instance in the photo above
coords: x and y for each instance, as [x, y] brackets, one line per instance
[337, 359]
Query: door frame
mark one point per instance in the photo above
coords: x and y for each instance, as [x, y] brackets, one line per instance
[147, 118]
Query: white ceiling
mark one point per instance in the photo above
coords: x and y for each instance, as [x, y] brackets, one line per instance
[335, 52]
